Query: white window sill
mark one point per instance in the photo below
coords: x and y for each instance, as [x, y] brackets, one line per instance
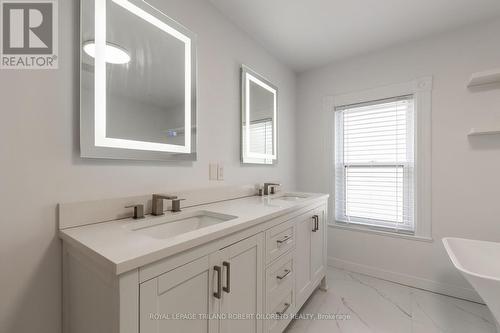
[380, 232]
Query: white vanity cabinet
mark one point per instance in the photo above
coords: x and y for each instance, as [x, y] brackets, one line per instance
[269, 268]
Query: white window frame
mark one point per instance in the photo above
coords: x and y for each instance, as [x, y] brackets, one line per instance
[421, 89]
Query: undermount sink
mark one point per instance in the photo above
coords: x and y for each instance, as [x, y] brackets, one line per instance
[290, 197]
[170, 226]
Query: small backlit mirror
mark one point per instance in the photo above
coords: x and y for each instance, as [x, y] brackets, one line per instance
[259, 119]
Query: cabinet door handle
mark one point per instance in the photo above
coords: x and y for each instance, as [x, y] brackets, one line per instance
[284, 239]
[315, 219]
[227, 288]
[282, 312]
[218, 269]
[281, 277]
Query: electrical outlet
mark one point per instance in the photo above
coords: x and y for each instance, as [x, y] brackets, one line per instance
[213, 171]
[220, 172]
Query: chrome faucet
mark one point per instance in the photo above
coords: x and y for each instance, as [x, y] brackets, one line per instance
[157, 207]
[271, 186]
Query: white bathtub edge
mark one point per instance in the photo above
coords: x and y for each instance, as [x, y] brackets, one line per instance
[457, 263]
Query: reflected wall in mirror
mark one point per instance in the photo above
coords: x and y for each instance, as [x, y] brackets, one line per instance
[138, 83]
[259, 119]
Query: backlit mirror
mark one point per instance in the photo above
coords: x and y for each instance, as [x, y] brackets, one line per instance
[138, 83]
[258, 118]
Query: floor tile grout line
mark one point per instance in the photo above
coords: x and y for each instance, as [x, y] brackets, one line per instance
[408, 286]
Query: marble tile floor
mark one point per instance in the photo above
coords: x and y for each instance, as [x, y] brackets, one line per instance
[366, 304]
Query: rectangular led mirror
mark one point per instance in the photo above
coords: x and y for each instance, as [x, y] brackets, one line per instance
[138, 83]
[259, 119]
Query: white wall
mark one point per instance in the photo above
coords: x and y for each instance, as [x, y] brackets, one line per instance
[466, 172]
[40, 164]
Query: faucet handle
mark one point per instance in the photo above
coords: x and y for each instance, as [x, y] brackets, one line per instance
[274, 187]
[138, 210]
[176, 205]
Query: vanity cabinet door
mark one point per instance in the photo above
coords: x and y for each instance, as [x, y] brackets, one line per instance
[310, 254]
[318, 248]
[305, 225]
[203, 296]
[242, 266]
[184, 291]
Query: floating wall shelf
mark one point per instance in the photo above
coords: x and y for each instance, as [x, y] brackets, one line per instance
[486, 77]
[484, 131]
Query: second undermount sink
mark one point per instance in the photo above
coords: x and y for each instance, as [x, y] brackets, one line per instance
[170, 226]
[290, 197]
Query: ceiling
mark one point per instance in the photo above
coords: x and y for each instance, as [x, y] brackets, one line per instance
[309, 33]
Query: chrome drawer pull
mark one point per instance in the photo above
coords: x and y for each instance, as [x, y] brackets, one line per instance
[218, 269]
[281, 277]
[282, 312]
[285, 239]
[227, 288]
[316, 223]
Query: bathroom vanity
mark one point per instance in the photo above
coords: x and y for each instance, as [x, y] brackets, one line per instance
[241, 265]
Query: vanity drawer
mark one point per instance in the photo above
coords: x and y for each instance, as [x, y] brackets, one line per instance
[281, 314]
[280, 277]
[279, 240]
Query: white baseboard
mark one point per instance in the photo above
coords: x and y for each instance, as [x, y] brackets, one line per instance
[408, 280]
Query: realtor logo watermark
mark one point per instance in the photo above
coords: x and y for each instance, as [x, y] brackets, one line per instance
[29, 34]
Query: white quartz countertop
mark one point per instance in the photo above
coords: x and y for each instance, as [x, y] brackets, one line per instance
[122, 249]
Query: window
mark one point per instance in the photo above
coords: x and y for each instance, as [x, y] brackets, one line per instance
[374, 164]
[381, 160]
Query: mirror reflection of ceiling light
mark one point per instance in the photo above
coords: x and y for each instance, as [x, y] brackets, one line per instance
[114, 53]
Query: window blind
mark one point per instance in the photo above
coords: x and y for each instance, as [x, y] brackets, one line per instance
[261, 138]
[374, 164]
